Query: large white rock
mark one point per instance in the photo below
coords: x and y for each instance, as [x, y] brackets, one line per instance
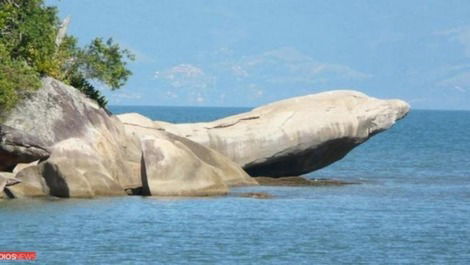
[173, 165]
[83, 151]
[296, 135]
[171, 169]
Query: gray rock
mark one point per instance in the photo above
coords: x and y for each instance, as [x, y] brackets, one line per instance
[90, 153]
[57, 112]
[19, 147]
[295, 136]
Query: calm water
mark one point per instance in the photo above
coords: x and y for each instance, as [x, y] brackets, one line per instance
[413, 208]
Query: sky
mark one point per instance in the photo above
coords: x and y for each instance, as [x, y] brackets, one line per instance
[251, 52]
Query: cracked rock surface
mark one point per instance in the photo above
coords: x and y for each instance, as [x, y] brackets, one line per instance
[297, 135]
[81, 150]
[19, 147]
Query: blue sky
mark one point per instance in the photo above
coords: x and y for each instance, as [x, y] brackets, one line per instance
[250, 52]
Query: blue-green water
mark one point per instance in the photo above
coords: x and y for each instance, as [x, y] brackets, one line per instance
[412, 208]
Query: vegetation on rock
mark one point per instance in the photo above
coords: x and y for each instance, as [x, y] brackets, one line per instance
[30, 49]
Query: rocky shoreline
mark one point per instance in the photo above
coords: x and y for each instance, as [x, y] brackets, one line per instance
[59, 143]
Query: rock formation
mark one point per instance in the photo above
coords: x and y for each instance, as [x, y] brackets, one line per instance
[57, 142]
[298, 135]
[7, 179]
[199, 170]
[19, 147]
[86, 152]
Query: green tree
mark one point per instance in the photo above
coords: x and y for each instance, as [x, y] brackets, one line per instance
[28, 51]
[105, 62]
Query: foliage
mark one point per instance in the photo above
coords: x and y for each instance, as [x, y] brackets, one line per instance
[28, 51]
[104, 61]
[86, 88]
[16, 78]
[28, 33]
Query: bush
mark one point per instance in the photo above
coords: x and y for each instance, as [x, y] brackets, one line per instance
[28, 51]
[86, 88]
[16, 79]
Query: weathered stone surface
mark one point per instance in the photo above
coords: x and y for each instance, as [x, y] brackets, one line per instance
[22, 166]
[57, 112]
[32, 183]
[298, 135]
[173, 165]
[76, 169]
[90, 153]
[171, 169]
[85, 152]
[7, 179]
[19, 147]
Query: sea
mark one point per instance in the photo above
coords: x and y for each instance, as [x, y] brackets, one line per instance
[412, 206]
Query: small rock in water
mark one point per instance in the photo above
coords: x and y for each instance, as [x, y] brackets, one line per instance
[256, 195]
[300, 181]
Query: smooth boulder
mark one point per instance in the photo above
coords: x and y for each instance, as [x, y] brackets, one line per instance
[175, 166]
[297, 135]
[89, 152]
[170, 169]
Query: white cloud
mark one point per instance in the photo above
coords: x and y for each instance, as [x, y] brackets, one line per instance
[458, 82]
[251, 77]
[460, 35]
[186, 76]
[200, 99]
[119, 97]
[171, 94]
[461, 89]
[181, 71]
[255, 91]
[187, 81]
[124, 95]
[288, 65]
[238, 71]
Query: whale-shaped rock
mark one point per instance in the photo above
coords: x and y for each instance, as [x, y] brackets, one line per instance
[297, 135]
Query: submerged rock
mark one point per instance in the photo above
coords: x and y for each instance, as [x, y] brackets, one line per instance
[301, 181]
[298, 135]
[255, 195]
